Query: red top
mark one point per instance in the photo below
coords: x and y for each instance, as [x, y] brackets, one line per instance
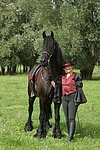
[68, 85]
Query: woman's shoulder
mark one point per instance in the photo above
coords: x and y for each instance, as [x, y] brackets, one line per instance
[77, 76]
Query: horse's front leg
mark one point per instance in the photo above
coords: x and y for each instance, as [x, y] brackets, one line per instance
[56, 131]
[28, 124]
[42, 131]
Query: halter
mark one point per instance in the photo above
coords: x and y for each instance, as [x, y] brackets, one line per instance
[48, 65]
[49, 55]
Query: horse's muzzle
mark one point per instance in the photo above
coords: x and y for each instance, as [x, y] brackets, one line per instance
[43, 62]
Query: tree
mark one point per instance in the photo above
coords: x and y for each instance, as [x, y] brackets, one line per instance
[76, 24]
[89, 27]
[17, 36]
[79, 34]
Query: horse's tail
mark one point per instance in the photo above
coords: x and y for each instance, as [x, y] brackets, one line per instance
[50, 112]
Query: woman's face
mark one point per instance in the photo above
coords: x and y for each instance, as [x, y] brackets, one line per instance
[68, 69]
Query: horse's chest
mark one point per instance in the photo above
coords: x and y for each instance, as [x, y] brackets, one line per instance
[43, 85]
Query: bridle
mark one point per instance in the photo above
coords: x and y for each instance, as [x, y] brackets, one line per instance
[47, 64]
[49, 55]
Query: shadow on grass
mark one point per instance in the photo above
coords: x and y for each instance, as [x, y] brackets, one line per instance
[95, 78]
[89, 130]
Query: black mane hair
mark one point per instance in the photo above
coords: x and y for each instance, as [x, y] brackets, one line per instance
[57, 60]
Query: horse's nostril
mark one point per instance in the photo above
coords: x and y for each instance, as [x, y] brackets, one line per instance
[42, 60]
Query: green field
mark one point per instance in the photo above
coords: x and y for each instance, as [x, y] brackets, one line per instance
[13, 115]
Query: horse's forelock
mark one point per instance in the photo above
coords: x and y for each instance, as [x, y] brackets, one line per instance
[48, 43]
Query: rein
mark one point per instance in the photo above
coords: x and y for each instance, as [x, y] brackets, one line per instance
[42, 77]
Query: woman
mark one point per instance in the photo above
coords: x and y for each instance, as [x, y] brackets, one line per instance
[72, 96]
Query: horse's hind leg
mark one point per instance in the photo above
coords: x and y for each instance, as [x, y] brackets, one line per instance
[56, 131]
[28, 124]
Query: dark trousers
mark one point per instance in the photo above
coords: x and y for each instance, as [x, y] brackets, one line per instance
[70, 110]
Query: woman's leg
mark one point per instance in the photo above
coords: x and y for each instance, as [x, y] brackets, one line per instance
[65, 109]
[72, 109]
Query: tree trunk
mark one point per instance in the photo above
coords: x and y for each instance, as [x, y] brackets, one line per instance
[8, 69]
[3, 70]
[86, 74]
[24, 69]
[13, 69]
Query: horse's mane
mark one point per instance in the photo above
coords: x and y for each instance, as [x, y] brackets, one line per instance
[57, 60]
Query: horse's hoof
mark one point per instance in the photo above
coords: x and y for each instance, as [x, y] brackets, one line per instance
[57, 134]
[39, 136]
[35, 135]
[28, 127]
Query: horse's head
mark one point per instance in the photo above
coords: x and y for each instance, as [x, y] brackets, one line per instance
[48, 48]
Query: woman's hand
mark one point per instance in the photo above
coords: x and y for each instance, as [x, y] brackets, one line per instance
[53, 83]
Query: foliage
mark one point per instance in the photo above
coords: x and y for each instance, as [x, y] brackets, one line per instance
[79, 34]
[17, 35]
[89, 30]
[76, 25]
[13, 115]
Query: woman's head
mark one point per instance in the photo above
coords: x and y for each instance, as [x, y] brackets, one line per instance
[68, 66]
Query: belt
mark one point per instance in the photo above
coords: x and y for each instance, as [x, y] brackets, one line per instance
[69, 94]
[65, 95]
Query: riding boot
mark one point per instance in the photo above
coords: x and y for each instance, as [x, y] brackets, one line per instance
[71, 131]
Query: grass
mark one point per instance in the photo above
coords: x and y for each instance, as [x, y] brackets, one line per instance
[13, 115]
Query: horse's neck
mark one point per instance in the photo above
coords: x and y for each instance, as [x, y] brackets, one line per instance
[53, 73]
[56, 69]
[57, 64]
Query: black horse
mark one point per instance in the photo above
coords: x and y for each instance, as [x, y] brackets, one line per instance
[39, 85]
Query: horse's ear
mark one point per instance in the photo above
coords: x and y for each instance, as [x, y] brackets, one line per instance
[52, 34]
[44, 35]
